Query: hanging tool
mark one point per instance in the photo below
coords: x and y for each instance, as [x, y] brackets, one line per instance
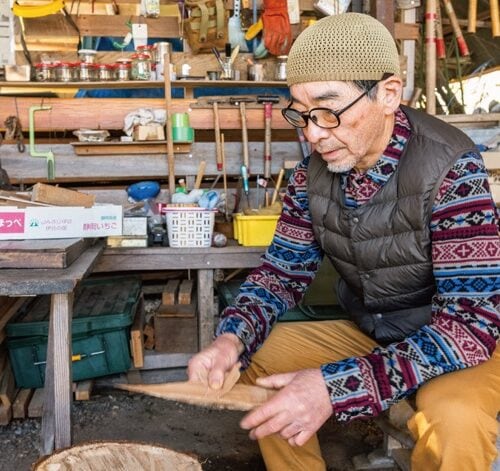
[241, 101]
[268, 101]
[215, 106]
[246, 190]
[472, 16]
[224, 176]
[77, 357]
[170, 136]
[430, 56]
[440, 45]
[462, 45]
[14, 131]
[199, 175]
[49, 155]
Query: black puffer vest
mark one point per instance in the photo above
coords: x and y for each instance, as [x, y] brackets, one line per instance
[382, 250]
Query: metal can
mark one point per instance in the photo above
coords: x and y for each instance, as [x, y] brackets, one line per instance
[281, 68]
[141, 67]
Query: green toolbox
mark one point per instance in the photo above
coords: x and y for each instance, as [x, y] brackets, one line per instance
[103, 311]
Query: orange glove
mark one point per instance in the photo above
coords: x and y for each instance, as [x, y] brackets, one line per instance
[277, 34]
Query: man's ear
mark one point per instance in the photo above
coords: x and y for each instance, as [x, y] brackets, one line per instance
[390, 91]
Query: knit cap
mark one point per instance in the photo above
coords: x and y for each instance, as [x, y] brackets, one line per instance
[349, 46]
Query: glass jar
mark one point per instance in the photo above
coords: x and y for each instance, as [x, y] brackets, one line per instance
[123, 70]
[280, 73]
[141, 67]
[88, 72]
[105, 72]
[65, 72]
[44, 72]
[148, 49]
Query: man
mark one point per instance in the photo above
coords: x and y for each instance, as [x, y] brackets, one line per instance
[399, 202]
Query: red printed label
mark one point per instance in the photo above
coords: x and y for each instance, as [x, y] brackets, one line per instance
[11, 223]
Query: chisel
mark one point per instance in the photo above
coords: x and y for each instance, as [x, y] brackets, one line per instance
[244, 176]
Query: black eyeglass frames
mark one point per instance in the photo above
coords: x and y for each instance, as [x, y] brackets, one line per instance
[322, 117]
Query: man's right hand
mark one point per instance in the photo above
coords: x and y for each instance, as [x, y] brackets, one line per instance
[211, 364]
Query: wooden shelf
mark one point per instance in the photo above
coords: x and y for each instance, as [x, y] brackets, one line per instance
[145, 84]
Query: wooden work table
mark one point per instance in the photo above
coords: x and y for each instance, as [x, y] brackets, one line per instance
[203, 260]
[60, 284]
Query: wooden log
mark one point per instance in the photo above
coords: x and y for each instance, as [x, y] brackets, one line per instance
[21, 403]
[125, 456]
[241, 397]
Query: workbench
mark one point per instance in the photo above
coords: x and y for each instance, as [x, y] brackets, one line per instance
[59, 283]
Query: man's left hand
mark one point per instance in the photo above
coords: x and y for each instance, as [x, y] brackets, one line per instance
[296, 412]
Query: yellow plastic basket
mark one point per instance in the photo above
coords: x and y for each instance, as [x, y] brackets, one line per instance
[254, 230]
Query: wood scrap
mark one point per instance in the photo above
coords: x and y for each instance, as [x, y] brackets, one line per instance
[58, 196]
[35, 408]
[137, 336]
[5, 415]
[7, 387]
[20, 406]
[84, 390]
[241, 397]
[169, 294]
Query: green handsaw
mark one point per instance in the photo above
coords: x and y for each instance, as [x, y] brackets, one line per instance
[49, 155]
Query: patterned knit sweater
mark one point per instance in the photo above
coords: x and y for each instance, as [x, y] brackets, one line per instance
[465, 326]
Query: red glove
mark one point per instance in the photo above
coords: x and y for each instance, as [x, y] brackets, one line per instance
[277, 34]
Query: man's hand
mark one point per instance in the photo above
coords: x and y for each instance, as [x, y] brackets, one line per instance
[296, 412]
[212, 363]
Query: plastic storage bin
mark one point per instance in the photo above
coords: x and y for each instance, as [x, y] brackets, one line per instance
[103, 313]
[190, 227]
[254, 230]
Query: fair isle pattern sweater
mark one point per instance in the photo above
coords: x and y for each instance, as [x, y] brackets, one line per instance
[465, 325]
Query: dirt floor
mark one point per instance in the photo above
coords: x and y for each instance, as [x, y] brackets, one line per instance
[212, 435]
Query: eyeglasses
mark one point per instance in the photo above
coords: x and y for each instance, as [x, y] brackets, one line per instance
[322, 117]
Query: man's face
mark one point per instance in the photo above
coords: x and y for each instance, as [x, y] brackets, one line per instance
[362, 134]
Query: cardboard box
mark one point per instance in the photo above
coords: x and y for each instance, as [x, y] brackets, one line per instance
[58, 222]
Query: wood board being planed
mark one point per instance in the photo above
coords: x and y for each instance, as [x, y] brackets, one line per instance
[241, 397]
[56, 253]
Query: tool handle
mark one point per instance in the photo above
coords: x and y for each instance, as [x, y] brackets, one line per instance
[244, 134]
[440, 45]
[170, 137]
[462, 45]
[472, 16]
[268, 112]
[218, 151]
[199, 175]
[244, 176]
[278, 184]
[430, 56]
[495, 18]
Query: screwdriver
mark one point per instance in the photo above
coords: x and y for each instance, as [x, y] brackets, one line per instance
[77, 357]
[244, 176]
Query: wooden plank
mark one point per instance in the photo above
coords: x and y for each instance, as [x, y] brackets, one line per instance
[137, 336]
[21, 403]
[185, 292]
[58, 196]
[84, 390]
[106, 25]
[176, 310]
[35, 408]
[71, 168]
[206, 307]
[55, 253]
[169, 294]
[126, 148]
[241, 397]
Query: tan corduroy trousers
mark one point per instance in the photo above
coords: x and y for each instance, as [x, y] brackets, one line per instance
[455, 425]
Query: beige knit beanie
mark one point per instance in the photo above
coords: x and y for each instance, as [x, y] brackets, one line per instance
[349, 46]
